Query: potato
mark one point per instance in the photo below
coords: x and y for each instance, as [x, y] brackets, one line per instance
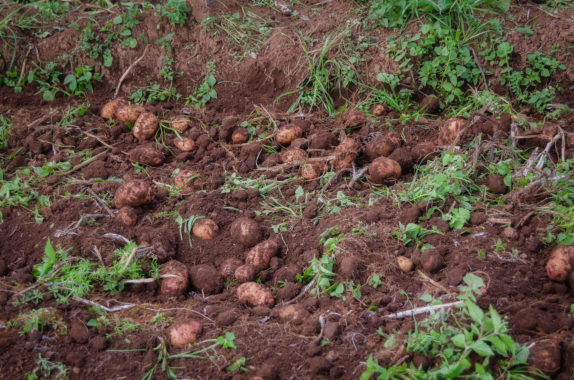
[180, 123]
[109, 109]
[560, 263]
[345, 153]
[293, 155]
[379, 110]
[246, 232]
[422, 151]
[184, 333]
[312, 170]
[405, 264]
[205, 229]
[205, 278]
[354, 118]
[129, 113]
[184, 144]
[383, 170]
[146, 155]
[227, 270]
[254, 294]
[145, 126]
[288, 133]
[239, 136]
[174, 279]
[133, 193]
[260, 255]
[128, 216]
[450, 130]
[382, 145]
[189, 179]
[546, 356]
[300, 143]
[296, 314]
[245, 273]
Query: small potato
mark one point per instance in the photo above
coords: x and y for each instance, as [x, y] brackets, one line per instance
[383, 170]
[129, 113]
[354, 118]
[205, 229]
[296, 314]
[184, 144]
[254, 294]
[345, 153]
[288, 133]
[174, 279]
[205, 278]
[450, 130]
[128, 216]
[133, 193]
[546, 356]
[189, 179]
[382, 145]
[245, 273]
[405, 264]
[300, 143]
[260, 255]
[293, 155]
[145, 126]
[109, 109]
[240, 136]
[379, 110]
[312, 170]
[180, 123]
[227, 269]
[184, 333]
[560, 263]
[146, 155]
[246, 232]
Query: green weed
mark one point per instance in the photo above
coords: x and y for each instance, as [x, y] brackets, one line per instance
[202, 95]
[40, 320]
[47, 369]
[19, 193]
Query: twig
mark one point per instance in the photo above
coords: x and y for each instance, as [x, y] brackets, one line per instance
[101, 141]
[105, 308]
[305, 289]
[128, 71]
[116, 237]
[480, 68]
[546, 150]
[100, 201]
[433, 282]
[71, 229]
[84, 163]
[98, 255]
[421, 310]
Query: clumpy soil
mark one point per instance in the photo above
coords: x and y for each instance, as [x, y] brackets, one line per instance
[536, 308]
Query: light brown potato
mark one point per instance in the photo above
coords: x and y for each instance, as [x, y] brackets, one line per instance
[296, 314]
[450, 130]
[288, 133]
[175, 279]
[240, 136]
[128, 216]
[405, 264]
[205, 229]
[355, 117]
[379, 110]
[129, 113]
[384, 170]
[189, 179]
[246, 232]
[260, 255]
[254, 294]
[227, 269]
[346, 152]
[146, 155]
[184, 333]
[184, 144]
[312, 170]
[245, 273]
[560, 263]
[382, 145]
[145, 126]
[133, 193]
[180, 123]
[109, 109]
[293, 155]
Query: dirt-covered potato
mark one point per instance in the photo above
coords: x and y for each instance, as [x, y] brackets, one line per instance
[379, 110]
[108, 111]
[423, 151]
[185, 144]
[546, 356]
[189, 179]
[246, 232]
[240, 136]
[300, 143]
[245, 273]
[128, 216]
[227, 269]
[345, 153]
[254, 294]
[312, 170]
[450, 130]
[129, 113]
[205, 229]
[146, 155]
[145, 126]
[293, 155]
[296, 314]
[174, 278]
[405, 264]
[184, 333]
[288, 133]
[354, 118]
[205, 278]
[260, 255]
[133, 193]
[384, 170]
[180, 123]
[560, 263]
[382, 145]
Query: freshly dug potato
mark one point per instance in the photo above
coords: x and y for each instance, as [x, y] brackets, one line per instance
[146, 155]
[174, 278]
[422, 151]
[293, 155]
[312, 170]
[180, 123]
[133, 193]
[145, 126]
[239, 136]
[379, 110]
[254, 294]
[189, 179]
[129, 113]
[205, 229]
[184, 333]
[295, 314]
[184, 144]
[245, 273]
[345, 153]
[323, 140]
[405, 264]
[546, 356]
[354, 118]
[288, 133]
[450, 130]
[561, 263]
[382, 145]
[246, 231]
[383, 170]
[205, 278]
[300, 143]
[108, 111]
[128, 216]
[260, 255]
[228, 268]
